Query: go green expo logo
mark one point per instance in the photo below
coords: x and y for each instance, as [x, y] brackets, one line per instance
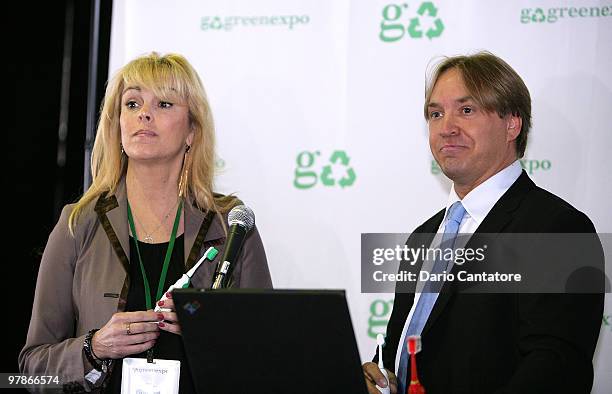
[423, 23]
[337, 171]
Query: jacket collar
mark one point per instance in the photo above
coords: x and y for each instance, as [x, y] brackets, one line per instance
[502, 212]
[112, 212]
[496, 221]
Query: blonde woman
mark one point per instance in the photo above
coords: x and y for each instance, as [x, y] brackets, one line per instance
[150, 213]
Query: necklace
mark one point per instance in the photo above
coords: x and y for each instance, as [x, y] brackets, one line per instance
[148, 236]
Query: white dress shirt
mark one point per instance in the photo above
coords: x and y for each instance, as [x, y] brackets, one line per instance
[477, 203]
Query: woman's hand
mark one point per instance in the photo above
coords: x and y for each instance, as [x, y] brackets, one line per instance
[126, 333]
[170, 322]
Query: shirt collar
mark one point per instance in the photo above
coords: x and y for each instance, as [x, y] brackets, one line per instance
[480, 201]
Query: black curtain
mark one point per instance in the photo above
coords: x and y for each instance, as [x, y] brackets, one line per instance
[47, 46]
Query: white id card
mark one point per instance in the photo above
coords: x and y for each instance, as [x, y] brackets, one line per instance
[140, 377]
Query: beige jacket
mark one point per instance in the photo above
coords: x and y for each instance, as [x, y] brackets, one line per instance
[83, 280]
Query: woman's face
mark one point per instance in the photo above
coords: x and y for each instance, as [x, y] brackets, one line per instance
[153, 129]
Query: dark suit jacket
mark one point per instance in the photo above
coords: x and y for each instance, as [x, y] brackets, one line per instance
[507, 343]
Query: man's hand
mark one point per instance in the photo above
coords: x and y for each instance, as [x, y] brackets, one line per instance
[374, 377]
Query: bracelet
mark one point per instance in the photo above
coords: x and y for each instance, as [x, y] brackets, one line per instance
[98, 364]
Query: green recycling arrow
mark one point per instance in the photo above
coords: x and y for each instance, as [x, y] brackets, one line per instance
[429, 7]
[339, 155]
[431, 33]
[326, 179]
[413, 30]
[349, 179]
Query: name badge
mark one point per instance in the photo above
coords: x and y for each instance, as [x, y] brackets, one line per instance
[140, 377]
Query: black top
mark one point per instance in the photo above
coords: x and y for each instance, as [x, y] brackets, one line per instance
[169, 346]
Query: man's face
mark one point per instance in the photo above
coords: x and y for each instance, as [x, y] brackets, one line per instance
[469, 143]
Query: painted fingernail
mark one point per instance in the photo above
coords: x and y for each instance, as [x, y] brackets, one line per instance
[169, 294]
[161, 324]
[160, 302]
[160, 316]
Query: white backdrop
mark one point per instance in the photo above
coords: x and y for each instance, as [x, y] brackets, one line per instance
[318, 108]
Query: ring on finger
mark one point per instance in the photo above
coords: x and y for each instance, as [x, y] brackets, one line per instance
[128, 331]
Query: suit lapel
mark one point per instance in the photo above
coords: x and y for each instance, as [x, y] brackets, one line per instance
[193, 220]
[423, 235]
[112, 213]
[503, 211]
[201, 230]
[404, 291]
[495, 222]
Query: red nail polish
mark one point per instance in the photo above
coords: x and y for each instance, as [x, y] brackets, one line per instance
[169, 294]
[162, 324]
[160, 302]
[160, 316]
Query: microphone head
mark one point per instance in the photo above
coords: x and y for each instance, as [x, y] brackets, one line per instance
[242, 216]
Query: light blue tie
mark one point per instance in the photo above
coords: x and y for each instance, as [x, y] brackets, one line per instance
[428, 298]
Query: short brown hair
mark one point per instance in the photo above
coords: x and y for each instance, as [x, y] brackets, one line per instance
[493, 84]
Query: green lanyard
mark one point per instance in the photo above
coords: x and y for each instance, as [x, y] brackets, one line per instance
[162, 279]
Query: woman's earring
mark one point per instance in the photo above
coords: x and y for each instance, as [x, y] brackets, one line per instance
[185, 172]
[122, 151]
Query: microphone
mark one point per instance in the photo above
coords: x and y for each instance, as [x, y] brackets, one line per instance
[241, 220]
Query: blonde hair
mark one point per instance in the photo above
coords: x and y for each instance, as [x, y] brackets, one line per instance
[167, 76]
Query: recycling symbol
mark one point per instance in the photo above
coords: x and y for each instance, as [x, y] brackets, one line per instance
[338, 157]
[216, 23]
[538, 15]
[414, 29]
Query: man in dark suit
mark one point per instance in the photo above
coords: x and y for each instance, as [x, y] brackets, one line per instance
[478, 111]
